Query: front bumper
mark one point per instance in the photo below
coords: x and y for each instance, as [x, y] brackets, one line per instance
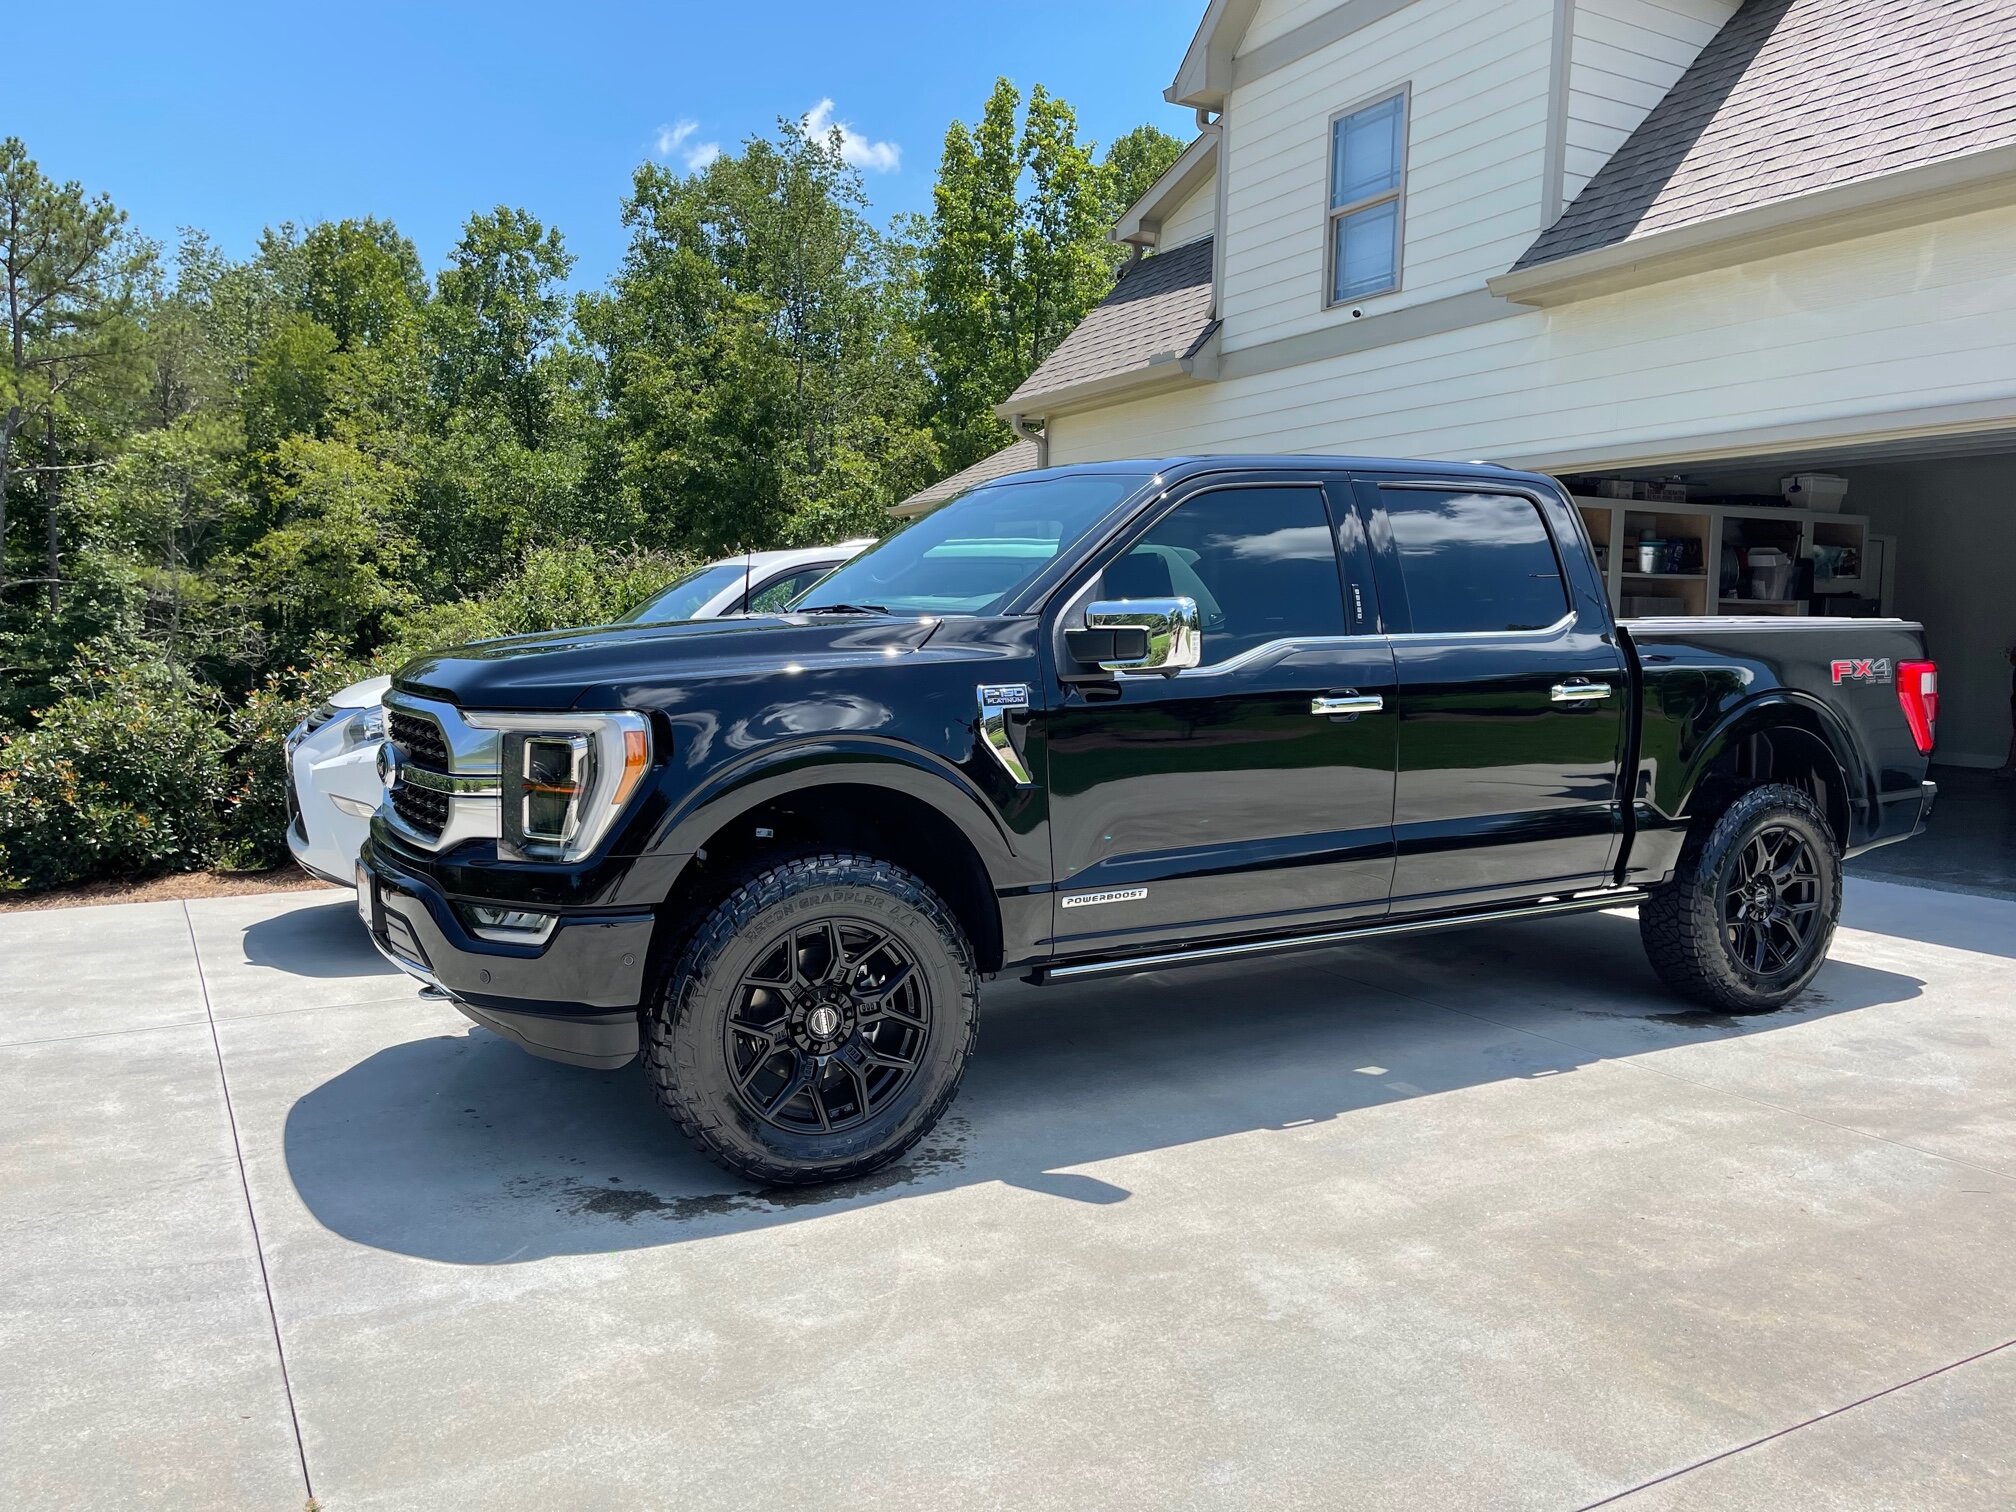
[321, 767]
[574, 999]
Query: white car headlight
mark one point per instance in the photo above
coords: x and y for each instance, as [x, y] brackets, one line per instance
[564, 778]
[365, 728]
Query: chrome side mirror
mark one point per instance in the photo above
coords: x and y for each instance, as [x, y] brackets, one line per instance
[1139, 635]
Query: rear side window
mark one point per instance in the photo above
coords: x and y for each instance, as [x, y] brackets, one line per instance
[1259, 562]
[1474, 562]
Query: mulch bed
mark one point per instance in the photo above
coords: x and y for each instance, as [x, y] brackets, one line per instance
[174, 886]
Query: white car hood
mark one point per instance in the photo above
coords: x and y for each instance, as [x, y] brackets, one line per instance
[362, 695]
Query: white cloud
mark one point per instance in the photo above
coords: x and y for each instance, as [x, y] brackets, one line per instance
[673, 139]
[878, 157]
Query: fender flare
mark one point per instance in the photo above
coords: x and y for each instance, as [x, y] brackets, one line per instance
[1775, 711]
[831, 761]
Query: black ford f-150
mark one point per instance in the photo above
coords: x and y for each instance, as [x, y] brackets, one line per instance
[1105, 719]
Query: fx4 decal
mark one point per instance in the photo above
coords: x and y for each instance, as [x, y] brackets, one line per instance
[1876, 669]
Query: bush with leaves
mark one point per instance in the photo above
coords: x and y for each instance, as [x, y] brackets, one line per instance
[556, 587]
[123, 776]
[253, 821]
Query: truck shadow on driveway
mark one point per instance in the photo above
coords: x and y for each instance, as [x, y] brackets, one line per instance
[462, 1148]
[323, 941]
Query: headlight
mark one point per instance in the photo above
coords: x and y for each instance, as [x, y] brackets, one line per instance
[564, 778]
[366, 727]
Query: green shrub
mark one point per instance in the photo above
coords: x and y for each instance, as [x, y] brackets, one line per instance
[254, 817]
[557, 586]
[123, 776]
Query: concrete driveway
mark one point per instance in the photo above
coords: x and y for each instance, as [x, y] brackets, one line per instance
[1479, 1219]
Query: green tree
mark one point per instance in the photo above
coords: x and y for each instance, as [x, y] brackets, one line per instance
[1063, 264]
[291, 382]
[332, 569]
[69, 276]
[168, 506]
[1131, 166]
[361, 279]
[759, 382]
[499, 312]
[1015, 252]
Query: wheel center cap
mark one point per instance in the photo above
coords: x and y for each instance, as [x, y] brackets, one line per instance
[823, 1021]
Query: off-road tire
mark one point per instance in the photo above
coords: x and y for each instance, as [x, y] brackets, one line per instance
[688, 1049]
[1684, 925]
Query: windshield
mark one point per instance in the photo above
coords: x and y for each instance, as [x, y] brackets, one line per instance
[684, 598]
[974, 554]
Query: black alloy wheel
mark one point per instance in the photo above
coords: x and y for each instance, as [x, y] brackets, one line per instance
[1745, 923]
[1771, 905]
[831, 1023]
[816, 1021]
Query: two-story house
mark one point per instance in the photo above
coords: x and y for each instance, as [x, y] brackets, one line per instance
[1684, 248]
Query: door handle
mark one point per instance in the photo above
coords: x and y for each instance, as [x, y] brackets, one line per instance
[1579, 691]
[1332, 704]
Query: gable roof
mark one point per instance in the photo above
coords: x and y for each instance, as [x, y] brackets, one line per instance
[1016, 456]
[1142, 224]
[1147, 330]
[1795, 97]
[1204, 77]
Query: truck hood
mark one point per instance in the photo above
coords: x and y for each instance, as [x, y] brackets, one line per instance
[651, 666]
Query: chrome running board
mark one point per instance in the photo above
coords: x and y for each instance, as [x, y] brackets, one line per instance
[1615, 897]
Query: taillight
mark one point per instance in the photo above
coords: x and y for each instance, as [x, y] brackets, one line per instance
[1918, 691]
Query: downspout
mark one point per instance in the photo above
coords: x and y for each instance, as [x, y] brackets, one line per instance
[1216, 128]
[1022, 433]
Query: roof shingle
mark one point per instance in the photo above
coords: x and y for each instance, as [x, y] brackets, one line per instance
[1794, 96]
[1016, 456]
[1158, 311]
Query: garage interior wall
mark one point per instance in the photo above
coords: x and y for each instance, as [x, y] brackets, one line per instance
[1954, 521]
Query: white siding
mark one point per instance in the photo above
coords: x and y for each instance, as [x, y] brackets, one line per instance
[1625, 55]
[1913, 318]
[1192, 219]
[1476, 142]
[1276, 18]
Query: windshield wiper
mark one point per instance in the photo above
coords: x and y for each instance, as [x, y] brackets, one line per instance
[845, 609]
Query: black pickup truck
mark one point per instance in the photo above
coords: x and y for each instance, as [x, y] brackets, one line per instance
[1103, 719]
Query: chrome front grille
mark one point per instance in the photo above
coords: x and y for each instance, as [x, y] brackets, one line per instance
[425, 811]
[446, 788]
[419, 737]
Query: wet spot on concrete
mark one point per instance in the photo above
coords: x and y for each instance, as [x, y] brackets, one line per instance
[1710, 1018]
[943, 1150]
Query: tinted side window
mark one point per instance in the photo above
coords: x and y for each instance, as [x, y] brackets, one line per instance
[774, 596]
[1474, 561]
[1260, 563]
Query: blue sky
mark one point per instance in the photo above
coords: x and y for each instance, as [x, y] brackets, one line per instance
[424, 112]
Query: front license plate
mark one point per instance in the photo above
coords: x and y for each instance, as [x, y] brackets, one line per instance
[364, 896]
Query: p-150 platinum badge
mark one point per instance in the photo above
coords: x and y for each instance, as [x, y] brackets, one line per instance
[1111, 895]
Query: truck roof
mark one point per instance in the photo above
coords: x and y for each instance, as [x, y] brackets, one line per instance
[1188, 466]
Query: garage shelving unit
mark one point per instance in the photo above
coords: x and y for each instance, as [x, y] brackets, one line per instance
[1616, 525]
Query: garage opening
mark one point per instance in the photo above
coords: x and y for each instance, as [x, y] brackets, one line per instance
[1922, 529]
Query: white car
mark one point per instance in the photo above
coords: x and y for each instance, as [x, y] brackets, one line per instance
[332, 756]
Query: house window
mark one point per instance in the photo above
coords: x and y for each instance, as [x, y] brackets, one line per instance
[1368, 171]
